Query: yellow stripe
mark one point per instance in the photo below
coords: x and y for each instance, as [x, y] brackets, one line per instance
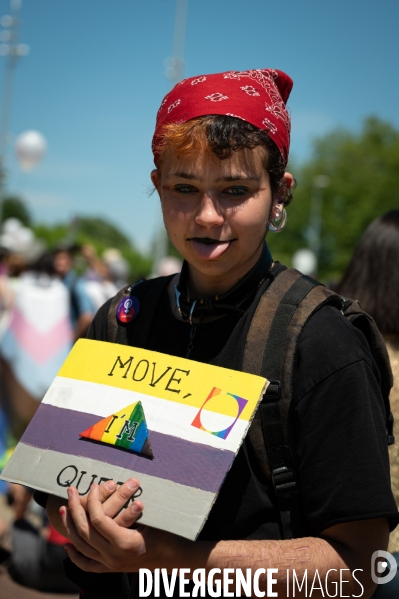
[159, 375]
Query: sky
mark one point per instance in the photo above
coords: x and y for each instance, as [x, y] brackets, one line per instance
[94, 79]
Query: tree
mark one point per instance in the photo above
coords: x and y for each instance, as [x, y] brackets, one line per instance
[14, 207]
[104, 232]
[363, 170]
[101, 234]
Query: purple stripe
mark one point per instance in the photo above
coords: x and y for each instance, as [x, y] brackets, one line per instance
[177, 460]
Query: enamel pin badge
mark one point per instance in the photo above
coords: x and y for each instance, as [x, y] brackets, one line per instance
[128, 309]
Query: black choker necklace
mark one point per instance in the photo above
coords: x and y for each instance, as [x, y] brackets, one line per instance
[226, 303]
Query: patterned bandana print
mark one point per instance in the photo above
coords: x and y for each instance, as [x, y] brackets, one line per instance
[257, 96]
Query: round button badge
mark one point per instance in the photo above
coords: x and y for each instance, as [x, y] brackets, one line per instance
[128, 309]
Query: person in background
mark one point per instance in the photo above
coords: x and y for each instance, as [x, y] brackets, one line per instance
[81, 307]
[98, 277]
[36, 342]
[19, 247]
[5, 291]
[34, 346]
[372, 277]
[95, 265]
[118, 267]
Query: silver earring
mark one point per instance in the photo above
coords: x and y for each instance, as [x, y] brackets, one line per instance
[274, 225]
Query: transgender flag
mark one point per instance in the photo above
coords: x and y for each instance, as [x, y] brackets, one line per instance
[116, 411]
[39, 336]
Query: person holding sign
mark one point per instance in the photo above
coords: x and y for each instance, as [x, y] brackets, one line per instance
[221, 147]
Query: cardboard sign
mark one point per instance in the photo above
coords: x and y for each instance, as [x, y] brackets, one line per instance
[116, 411]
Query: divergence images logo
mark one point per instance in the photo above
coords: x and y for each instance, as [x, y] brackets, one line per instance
[219, 413]
[379, 567]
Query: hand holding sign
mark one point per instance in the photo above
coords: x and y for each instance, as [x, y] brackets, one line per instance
[105, 544]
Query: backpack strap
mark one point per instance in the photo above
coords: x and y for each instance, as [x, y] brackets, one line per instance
[283, 310]
[254, 351]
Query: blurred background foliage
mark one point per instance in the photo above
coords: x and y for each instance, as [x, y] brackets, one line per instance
[101, 234]
[81, 230]
[362, 170]
[14, 207]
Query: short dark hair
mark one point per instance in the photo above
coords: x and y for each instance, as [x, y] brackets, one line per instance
[44, 264]
[222, 135]
[372, 275]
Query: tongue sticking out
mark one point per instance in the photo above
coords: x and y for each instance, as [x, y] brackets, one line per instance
[209, 251]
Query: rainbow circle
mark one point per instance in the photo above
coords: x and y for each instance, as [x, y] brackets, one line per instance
[219, 413]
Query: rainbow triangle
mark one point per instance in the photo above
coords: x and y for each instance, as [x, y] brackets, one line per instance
[126, 428]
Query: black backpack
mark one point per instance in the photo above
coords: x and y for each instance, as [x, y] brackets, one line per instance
[282, 312]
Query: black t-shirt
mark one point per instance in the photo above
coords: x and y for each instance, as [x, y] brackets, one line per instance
[338, 423]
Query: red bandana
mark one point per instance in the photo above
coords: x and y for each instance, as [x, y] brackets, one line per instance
[258, 97]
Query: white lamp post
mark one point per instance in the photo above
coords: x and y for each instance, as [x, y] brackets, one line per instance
[174, 64]
[12, 50]
[173, 71]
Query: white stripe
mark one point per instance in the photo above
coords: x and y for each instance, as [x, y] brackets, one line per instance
[162, 416]
[167, 505]
[43, 301]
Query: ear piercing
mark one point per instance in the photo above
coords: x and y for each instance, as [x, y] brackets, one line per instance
[274, 225]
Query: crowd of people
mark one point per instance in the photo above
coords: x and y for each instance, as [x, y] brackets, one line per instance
[45, 305]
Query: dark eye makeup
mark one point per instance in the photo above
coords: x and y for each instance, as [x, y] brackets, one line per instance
[232, 191]
[236, 191]
[183, 188]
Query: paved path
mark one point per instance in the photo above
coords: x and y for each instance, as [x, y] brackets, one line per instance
[10, 590]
